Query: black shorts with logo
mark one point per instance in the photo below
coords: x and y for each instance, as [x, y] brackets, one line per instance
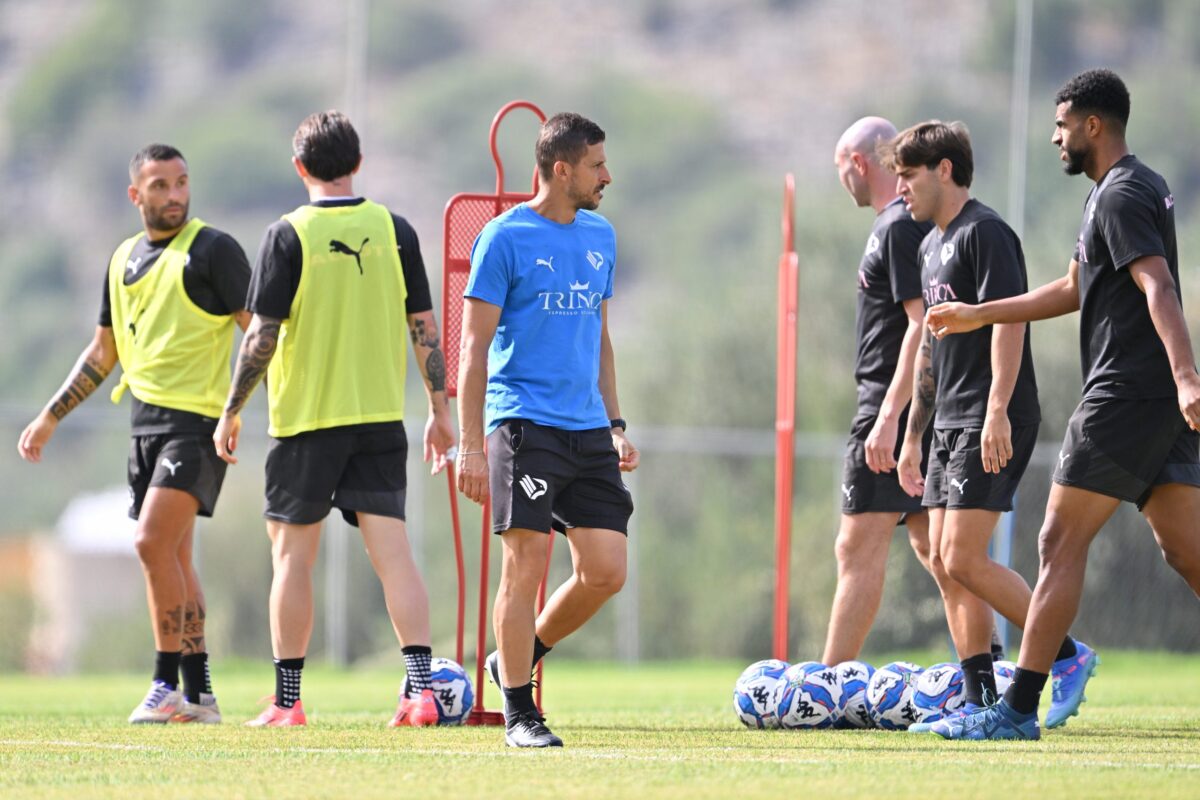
[863, 490]
[354, 467]
[543, 478]
[956, 479]
[184, 461]
[1123, 448]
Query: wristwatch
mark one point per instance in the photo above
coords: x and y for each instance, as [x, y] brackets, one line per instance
[617, 423]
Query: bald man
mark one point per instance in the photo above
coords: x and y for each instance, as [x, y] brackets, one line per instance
[887, 335]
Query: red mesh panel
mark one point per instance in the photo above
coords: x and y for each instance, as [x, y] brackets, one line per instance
[465, 216]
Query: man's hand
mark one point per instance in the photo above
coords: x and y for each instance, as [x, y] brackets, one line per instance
[35, 436]
[1189, 400]
[439, 441]
[473, 474]
[908, 468]
[225, 437]
[996, 442]
[626, 452]
[881, 445]
[947, 318]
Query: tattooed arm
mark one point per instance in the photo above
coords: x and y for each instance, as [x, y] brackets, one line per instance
[93, 366]
[427, 346]
[920, 413]
[258, 346]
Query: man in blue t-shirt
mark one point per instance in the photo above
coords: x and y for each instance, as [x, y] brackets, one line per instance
[537, 379]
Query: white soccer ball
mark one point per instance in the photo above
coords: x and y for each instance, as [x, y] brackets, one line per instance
[1005, 671]
[756, 693]
[811, 696]
[853, 677]
[938, 691]
[451, 689]
[889, 695]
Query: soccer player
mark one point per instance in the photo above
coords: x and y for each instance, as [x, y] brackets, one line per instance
[1133, 436]
[888, 331]
[172, 294]
[980, 392]
[327, 293]
[538, 379]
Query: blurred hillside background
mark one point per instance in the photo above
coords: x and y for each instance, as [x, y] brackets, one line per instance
[707, 103]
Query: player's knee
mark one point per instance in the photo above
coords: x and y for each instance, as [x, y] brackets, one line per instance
[1185, 562]
[960, 564]
[850, 549]
[1055, 544]
[920, 546]
[151, 549]
[607, 579]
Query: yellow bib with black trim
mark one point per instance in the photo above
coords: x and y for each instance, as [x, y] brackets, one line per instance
[173, 353]
[341, 356]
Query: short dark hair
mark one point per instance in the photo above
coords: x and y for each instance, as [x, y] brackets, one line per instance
[327, 145]
[1097, 91]
[564, 137]
[152, 152]
[926, 144]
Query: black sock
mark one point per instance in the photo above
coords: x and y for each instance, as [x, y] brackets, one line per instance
[997, 646]
[417, 660]
[979, 679]
[195, 676]
[1067, 650]
[287, 681]
[166, 667]
[518, 700]
[1026, 691]
[539, 650]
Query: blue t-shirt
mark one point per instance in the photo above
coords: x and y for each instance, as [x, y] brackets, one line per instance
[549, 281]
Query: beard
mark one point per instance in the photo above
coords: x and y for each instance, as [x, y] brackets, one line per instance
[156, 218]
[1075, 159]
[586, 202]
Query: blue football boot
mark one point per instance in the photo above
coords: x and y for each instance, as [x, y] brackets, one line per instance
[1070, 677]
[926, 727]
[993, 722]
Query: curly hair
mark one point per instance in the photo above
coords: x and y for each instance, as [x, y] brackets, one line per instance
[1097, 91]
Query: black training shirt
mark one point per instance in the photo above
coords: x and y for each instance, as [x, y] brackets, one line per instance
[281, 258]
[888, 274]
[1128, 215]
[215, 278]
[977, 259]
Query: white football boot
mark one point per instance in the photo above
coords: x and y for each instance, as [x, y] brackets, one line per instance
[159, 706]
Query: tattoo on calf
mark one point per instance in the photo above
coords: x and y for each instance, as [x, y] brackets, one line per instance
[171, 621]
[85, 381]
[257, 350]
[193, 628]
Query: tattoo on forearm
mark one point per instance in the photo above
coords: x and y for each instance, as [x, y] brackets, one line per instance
[257, 349]
[435, 369]
[193, 628]
[923, 399]
[425, 334]
[171, 621]
[85, 381]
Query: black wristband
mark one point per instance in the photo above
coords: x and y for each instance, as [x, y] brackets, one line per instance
[617, 423]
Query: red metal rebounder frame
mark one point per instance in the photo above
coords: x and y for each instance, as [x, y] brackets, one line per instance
[785, 416]
[464, 218]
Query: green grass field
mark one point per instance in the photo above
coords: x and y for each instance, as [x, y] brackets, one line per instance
[657, 731]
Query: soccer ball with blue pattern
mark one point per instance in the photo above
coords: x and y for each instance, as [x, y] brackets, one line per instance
[451, 689]
[1005, 672]
[756, 693]
[938, 692]
[854, 677]
[889, 695]
[811, 697]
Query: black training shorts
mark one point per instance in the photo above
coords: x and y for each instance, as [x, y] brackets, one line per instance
[354, 467]
[1123, 448]
[543, 478]
[184, 461]
[865, 491]
[956, 479]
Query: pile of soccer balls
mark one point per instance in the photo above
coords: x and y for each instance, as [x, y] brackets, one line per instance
[853, 694]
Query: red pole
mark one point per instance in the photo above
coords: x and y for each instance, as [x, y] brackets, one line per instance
[785, 420]
[458, 562]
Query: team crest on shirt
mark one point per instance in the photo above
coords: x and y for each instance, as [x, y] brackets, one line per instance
[595, 259]
[1169, 201]
[872, 244]
[947, 252]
